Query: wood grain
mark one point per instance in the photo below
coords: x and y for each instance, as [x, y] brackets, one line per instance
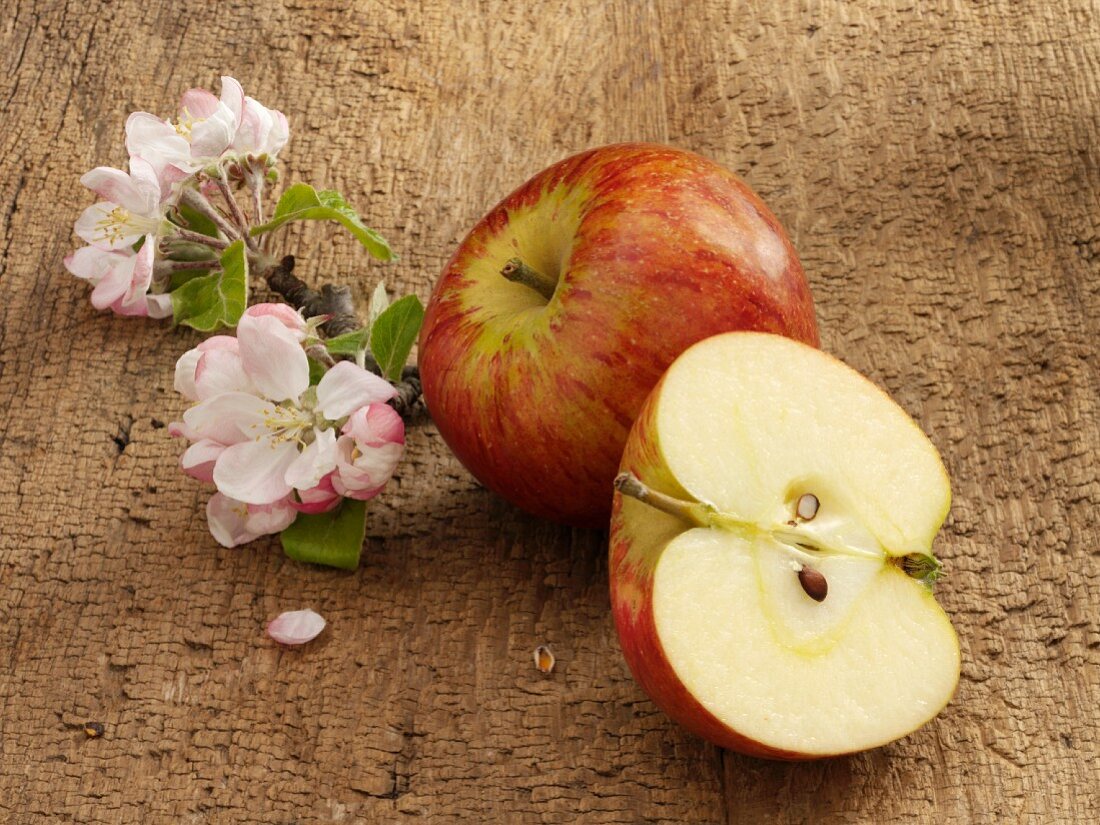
[937, 165]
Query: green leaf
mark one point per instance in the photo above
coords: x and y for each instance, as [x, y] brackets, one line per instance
[379, 301]
[215, 300]
[301, 202]
[316, 371]
[392, 336]
[195, 221]
[334, 539]
[350, 343]
[178, 279]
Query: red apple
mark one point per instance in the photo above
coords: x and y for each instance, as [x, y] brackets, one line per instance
[771, 553]
[564, 305]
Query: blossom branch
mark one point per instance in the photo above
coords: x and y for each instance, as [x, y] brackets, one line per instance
[195, 199]
[336, 302]
[238, 215]
[199, 238]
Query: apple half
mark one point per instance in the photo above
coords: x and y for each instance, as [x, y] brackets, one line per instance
[771, 553]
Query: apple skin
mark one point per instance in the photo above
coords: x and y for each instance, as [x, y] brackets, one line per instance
[658, 248]
[636, 546]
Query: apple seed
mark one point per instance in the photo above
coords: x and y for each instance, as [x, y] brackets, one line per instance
[544, 659]
[807, 508]
[814, 583]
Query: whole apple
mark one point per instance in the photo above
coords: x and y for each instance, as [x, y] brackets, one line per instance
[564, 305]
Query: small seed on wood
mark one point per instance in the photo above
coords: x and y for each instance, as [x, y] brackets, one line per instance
[807, 507]
[544, 659]
[93, 730]
[814, 583]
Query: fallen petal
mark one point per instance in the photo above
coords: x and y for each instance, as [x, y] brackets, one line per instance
[296, 627]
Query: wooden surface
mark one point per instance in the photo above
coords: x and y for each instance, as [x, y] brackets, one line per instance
[937, 166]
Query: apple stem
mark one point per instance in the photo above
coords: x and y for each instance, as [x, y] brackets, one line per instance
[693, 512]
[518, 272]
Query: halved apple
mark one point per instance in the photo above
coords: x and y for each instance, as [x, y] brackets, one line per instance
[771, 553]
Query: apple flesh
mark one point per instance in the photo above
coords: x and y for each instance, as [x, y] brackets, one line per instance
[564, 305]
[771, 559]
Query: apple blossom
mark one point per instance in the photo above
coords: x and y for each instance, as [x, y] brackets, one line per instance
[262, 131]
[133, 206]
[121, 278]
[368, 451]
[208, 123]
[273, 439]
[265, 437]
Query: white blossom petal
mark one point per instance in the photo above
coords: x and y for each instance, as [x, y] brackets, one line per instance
[232, 96]
[273, 358]
[102, 226]
[296, 627]
[219, 371]
[264, 519]
[346, 387]
[227, 520]
[316, 461]
[229, 418]
[212, 135]
[198, 459]
[115, 186]
[159, 306]
[157, 142]
[254, 471]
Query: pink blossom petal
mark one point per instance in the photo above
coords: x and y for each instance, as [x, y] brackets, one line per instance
[346, 387]
[254, 471]
[220, 370]
[296, 627]
[115, 282]
[196, 104]
[361, 472]
[226, 519]
[273, 357]
[228, 418]
[141, 277]
[375, 424]
[318, 499]
[284, 313]
[198, 460]
[316, 461]
[177, 429]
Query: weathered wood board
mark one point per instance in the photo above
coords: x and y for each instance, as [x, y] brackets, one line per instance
[938, 167]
